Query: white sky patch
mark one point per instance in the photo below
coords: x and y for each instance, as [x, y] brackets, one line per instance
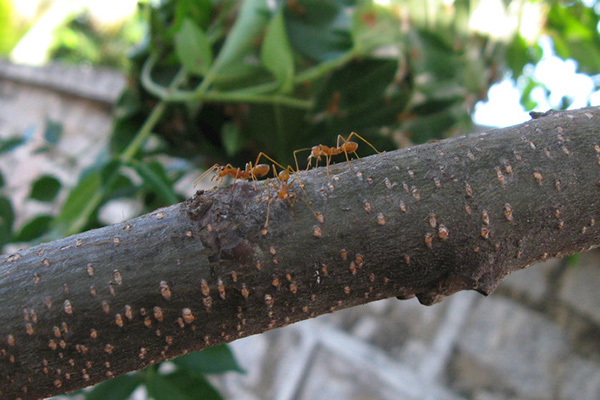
[503, 107]
[560, 76]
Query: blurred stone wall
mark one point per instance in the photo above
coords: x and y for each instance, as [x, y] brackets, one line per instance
[537, 337]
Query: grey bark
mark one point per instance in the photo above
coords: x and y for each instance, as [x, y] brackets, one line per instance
[427, 221]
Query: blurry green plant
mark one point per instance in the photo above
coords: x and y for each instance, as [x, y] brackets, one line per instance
[81, 40]
[11, 29]
[221, 80]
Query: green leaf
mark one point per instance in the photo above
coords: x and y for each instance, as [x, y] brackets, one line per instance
[319, 29]
[180, 385]
[7, 217]
[10, 143]
[89, 186]
[520, 53]
[45, 188]
[276, 53]
[252, 18]
[155, 176]
[119, 388]
[361, 97]
[160, 388]
[574, 30]
[193, 48]
[233, 140]
[1, 179]
[374, 26]
[198, 11]
[34, 228]
[213, 360]
[53, 132]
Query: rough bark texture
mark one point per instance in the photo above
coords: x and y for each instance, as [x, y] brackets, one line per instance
[427, 221]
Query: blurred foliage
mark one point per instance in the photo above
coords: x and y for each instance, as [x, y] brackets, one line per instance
[218, 81]
[11, 29]
[81, 40]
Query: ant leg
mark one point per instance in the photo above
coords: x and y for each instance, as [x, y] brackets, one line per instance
[306, 201]
[205, 174]
[363, 139]
[269, 185]
[296, 158]
[261, 154]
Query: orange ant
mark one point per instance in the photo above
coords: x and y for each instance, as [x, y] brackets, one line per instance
[281, 184]
[346, 147]
[251, 171]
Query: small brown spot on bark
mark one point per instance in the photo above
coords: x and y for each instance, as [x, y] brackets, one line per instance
[221, 288]
[485, 232]
[538, 177]
[485, 217]
[117, 277]
[429, 240]
[158, 313]
[67, 307]
[432, 220]
[187, 315]
[352, 268]
[443, 232]
[269, 300]
[508, 212]
[317, 232]
[204, 288]
[500, 176]
[402, 206]
[207, 301]
[468, 189]
[165, 291]
[415, 192]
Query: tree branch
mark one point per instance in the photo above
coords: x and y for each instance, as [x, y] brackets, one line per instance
[427, 221]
